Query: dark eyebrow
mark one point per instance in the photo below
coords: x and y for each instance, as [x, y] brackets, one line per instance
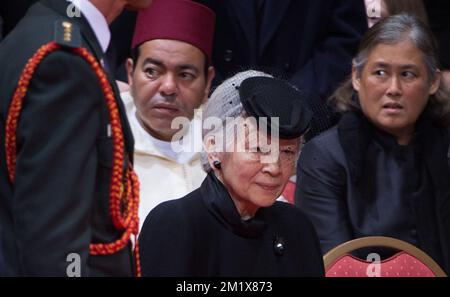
[161, 64]
[409, 66]
[381, 64]
[385, 65]
[189, 67]
[153, 61]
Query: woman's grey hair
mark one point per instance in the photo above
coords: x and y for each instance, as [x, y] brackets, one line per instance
[392, 30]
[224, 103]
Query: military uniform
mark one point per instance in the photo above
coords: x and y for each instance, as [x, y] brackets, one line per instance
[12, 12]
[59, 202]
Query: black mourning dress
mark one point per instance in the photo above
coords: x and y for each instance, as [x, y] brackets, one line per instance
[202, 234]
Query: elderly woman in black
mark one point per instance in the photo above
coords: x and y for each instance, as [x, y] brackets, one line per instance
[383, 170]
[232, 225]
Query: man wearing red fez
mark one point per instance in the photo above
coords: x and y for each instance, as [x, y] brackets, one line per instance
[170, 77]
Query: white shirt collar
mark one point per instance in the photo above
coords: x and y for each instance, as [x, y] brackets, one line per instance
[148, 145]
[96, 20]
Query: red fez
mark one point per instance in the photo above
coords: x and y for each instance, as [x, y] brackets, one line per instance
[182, 20]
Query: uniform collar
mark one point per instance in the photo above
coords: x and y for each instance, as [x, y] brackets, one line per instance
[96, 20]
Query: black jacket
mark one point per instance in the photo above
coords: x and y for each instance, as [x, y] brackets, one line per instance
[438, 16]
[12, 12]
[355, 181]
[308, 42]
[202, 234]
[59, 203]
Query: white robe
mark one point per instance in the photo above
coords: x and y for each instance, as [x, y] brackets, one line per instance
[162, 174]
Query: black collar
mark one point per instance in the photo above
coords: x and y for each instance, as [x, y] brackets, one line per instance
[220, 204]
[355, 132]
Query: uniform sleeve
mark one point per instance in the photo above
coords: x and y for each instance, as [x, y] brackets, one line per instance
[165, 243]
[56, 166]
[321, 194]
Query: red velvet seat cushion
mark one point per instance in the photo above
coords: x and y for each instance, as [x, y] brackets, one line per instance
[400, 265]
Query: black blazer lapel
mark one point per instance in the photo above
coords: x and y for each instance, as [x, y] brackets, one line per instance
[94, 47]
[274, 11]
[61, 7]
[246, 19]
[128, 135]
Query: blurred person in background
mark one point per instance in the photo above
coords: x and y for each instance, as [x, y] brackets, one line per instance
[308, 43]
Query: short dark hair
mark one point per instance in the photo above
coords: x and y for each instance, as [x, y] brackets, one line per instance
[135, 52]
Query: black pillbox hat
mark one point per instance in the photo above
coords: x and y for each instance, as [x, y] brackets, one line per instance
[272, 97]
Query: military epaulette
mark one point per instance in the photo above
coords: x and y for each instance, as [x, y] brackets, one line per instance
[67, 34]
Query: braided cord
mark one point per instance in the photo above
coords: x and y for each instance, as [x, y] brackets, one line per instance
[124, 187]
